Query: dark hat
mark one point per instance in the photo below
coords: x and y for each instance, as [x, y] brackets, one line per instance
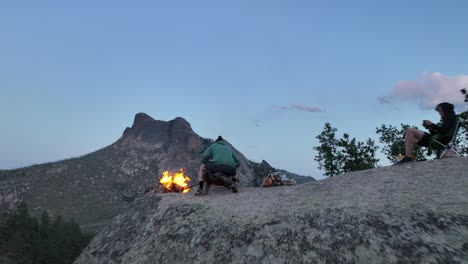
[447, 108]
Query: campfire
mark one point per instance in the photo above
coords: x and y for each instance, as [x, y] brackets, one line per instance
[175, 182]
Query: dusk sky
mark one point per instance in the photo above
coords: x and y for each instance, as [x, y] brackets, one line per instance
[266, 75]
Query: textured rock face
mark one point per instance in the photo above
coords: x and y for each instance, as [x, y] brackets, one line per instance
[415, 213]
[10, 198]
[176, 134]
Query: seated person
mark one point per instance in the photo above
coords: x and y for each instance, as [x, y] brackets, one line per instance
[219, 157]
[443, 131]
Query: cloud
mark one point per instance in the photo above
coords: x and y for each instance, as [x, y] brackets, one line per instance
[280, 107]
[429, 90]
[304, 108]
[307, 108]
[385, 100]
[257, 122]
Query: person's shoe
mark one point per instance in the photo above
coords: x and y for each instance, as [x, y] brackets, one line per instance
[399, 157]
[199, 192]
[234, 188]
[405, 160]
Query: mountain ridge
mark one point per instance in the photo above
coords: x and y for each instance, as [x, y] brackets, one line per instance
[98, 185]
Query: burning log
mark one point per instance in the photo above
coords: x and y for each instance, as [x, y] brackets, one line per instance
[174, 188]
[175, 182]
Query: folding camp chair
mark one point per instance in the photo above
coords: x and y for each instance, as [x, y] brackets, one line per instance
[441, 149]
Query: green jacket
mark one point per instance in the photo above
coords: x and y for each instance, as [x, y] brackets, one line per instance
[220, 153]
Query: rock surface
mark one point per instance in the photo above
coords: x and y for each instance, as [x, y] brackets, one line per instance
[414, 213]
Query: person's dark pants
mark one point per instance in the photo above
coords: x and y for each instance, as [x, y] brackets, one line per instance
[426, 140]
[220, 174]
[221, 168]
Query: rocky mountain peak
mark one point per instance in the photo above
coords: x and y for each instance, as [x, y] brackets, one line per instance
[266, 164]
[141, 119]
[150, 132]
[180, 128]
[180, 121]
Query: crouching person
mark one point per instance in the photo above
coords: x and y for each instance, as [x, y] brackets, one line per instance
[219, 167]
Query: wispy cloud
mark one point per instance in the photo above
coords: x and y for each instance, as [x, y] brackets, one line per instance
[304, 108]
[257, 122]
[429, 90]
[280, 107]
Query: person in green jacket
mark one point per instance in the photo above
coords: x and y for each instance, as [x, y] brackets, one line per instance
[219, 157]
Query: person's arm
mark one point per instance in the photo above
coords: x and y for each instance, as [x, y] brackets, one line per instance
[206, 155]
[445, 127]
[427, 125]
[236, 160]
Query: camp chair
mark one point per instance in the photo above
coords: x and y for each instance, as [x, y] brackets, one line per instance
[441, 149]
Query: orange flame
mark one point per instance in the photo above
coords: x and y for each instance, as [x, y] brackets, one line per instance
[168, 180]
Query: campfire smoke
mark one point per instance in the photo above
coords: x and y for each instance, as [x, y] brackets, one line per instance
[175, 182]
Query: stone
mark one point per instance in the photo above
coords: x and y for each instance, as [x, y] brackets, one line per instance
[403, 214]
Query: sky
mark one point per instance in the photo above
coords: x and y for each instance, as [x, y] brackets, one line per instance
[266, 75]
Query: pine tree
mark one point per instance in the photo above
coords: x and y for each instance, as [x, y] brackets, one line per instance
[44, 227]
[24, 240]
[356, 155]
[394, 142]
[336, 156]
[327, 151]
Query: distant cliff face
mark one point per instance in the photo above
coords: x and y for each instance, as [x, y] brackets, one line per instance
[99, 185]
[173, 136]
[10, 198]
[414, 213]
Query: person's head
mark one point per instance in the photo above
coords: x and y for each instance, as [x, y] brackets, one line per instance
[220, 138]
[445, 109]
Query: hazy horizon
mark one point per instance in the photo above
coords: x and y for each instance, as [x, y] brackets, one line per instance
[265, 75]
